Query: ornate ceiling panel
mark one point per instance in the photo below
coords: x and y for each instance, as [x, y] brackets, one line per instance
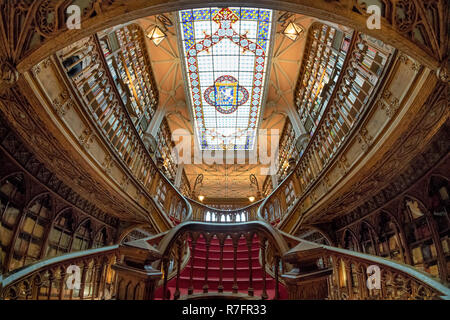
[226, 56]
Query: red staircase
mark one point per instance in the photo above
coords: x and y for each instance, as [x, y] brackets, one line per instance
[228, 271]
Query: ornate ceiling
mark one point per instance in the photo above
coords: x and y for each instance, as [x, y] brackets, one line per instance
[230, 180]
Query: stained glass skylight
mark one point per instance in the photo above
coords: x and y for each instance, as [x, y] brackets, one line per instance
[226, 56]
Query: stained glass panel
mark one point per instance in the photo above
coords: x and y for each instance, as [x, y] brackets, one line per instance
[226, 54]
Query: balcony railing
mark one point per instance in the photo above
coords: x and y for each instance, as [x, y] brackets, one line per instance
[364, 70]
[50, 279]
[134, 270]
[204, 213]
[358, 276]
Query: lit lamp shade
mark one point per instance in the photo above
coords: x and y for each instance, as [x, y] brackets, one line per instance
[293, 31]
[251, 199]
[156, 35]
[201, 198]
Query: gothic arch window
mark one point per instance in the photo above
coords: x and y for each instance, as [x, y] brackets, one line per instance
[101, 239]
[419, 236]
[12, 195]
[208, 216]
[350, 241]
[389, 240]
[33, 228]
[439, 192]
[60, 238]
[83, 237]
[367, 239]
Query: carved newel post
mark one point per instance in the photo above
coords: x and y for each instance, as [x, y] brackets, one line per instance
[136, 277]
[307, 280]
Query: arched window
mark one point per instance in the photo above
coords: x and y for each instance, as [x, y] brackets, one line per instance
[389, 240]
[28, 246]
[208, 216]
[101, 239]
[12, 195]
[367, 239]
[419, 236]
[439, 191]
[60, 237]
[350, 242]
[83, 236]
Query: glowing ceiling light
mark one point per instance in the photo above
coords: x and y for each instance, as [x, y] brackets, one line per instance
[201, 198]
[251, 199]
[293, 31]
[156, 35]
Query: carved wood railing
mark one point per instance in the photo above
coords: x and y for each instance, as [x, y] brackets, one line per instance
[358, 85]
[201, 212]
[50, 279]
[89, 79]
[337, 274]
[251, 233]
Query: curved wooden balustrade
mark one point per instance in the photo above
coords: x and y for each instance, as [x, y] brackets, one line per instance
[102, 104]
[131, 270]
[47, 280]
[251, 232]
[350, 274]
[201, 212]
[358, 85]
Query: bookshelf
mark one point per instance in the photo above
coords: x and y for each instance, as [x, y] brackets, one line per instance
[287, 150]
[389, 239]
[322, 64]
[125, 51]
[164, 149]
[419, 236]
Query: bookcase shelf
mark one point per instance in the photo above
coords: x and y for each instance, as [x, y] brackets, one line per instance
[125, 51]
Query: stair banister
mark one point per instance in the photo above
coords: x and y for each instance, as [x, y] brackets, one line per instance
[394, 275]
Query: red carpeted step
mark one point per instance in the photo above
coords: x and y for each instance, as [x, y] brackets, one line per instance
[214, 261]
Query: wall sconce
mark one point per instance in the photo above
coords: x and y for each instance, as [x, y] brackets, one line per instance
[156, 35]
[293, 31]
[201, 198]
[251, 199]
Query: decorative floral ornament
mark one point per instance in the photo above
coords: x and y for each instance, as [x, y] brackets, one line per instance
[8, 75]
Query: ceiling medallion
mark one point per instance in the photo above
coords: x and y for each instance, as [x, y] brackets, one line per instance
[226, 95]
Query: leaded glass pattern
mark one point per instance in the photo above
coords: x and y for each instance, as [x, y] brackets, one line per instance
[226, 55]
